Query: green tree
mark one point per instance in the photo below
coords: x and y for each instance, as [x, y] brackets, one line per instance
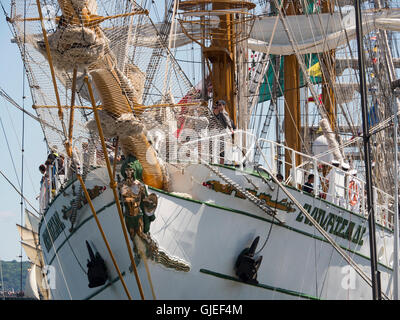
[12, 274]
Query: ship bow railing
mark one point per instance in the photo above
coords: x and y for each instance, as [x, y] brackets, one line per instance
[332, 184]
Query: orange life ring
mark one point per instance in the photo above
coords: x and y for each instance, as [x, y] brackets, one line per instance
[353, 193]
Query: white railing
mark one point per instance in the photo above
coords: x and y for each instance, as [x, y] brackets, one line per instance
[224, 148]
[330, 183]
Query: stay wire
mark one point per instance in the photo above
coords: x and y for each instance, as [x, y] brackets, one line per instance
[9, 151]
[273, 217]
[20, 193]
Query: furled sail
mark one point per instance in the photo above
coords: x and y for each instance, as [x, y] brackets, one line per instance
[313, 33]
[31, 288]
[36, 284]
[31, 221]
[316, 32]
[343, 64]
[35, 255]
[28, 236]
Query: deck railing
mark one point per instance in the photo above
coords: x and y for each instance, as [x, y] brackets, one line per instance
[330, 183]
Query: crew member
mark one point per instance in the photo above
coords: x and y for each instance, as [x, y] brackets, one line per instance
[308, 186]
[332, 195]
[223, 117]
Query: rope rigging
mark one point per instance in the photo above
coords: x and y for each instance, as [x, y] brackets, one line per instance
[345, 256]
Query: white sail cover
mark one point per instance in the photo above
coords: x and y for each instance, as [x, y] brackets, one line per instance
[35, 284]
[311, 33]
[31, 288]
[321, 146]
[316, 32]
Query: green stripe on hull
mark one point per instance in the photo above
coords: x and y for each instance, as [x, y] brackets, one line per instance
[260, 285]
[225, 209]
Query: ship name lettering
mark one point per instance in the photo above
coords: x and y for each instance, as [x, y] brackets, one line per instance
[52, 230]
[334, 224]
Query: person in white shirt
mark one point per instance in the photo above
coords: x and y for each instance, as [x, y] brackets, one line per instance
[333, 190]
[341, 184]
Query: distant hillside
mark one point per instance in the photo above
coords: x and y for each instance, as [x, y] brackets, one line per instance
[12, 274]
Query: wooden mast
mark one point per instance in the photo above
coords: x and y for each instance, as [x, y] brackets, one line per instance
[328, 68]
[292, 123]
[218, 38]
[221, 54]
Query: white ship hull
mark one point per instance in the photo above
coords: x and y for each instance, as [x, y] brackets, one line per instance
[298, 263]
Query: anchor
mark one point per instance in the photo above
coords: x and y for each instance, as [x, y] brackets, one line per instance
[247, 265]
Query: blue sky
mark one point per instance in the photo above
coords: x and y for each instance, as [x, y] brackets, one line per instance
[11, 80]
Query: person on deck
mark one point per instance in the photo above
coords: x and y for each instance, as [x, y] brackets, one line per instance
[42, 169]
[331, 178]
[308, 186]
[223, 117]
[53, 155]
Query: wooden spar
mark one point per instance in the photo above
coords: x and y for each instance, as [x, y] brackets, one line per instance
[64, 107]
[115, 157]
[68, 144]
[113, 186]
[292, 121]
[53, 75]
[95, 20]
[222, 54]
[328, 67]
[103, 235]
[135, 106]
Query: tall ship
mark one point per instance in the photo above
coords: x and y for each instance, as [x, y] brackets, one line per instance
[213, 149]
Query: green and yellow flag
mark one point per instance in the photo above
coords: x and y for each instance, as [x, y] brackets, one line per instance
[314, 73]
[315, 70]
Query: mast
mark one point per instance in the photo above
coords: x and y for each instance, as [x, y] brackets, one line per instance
[396, 208]
[375, 274]
[221, 27]
[292, 122]
[328, 75]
